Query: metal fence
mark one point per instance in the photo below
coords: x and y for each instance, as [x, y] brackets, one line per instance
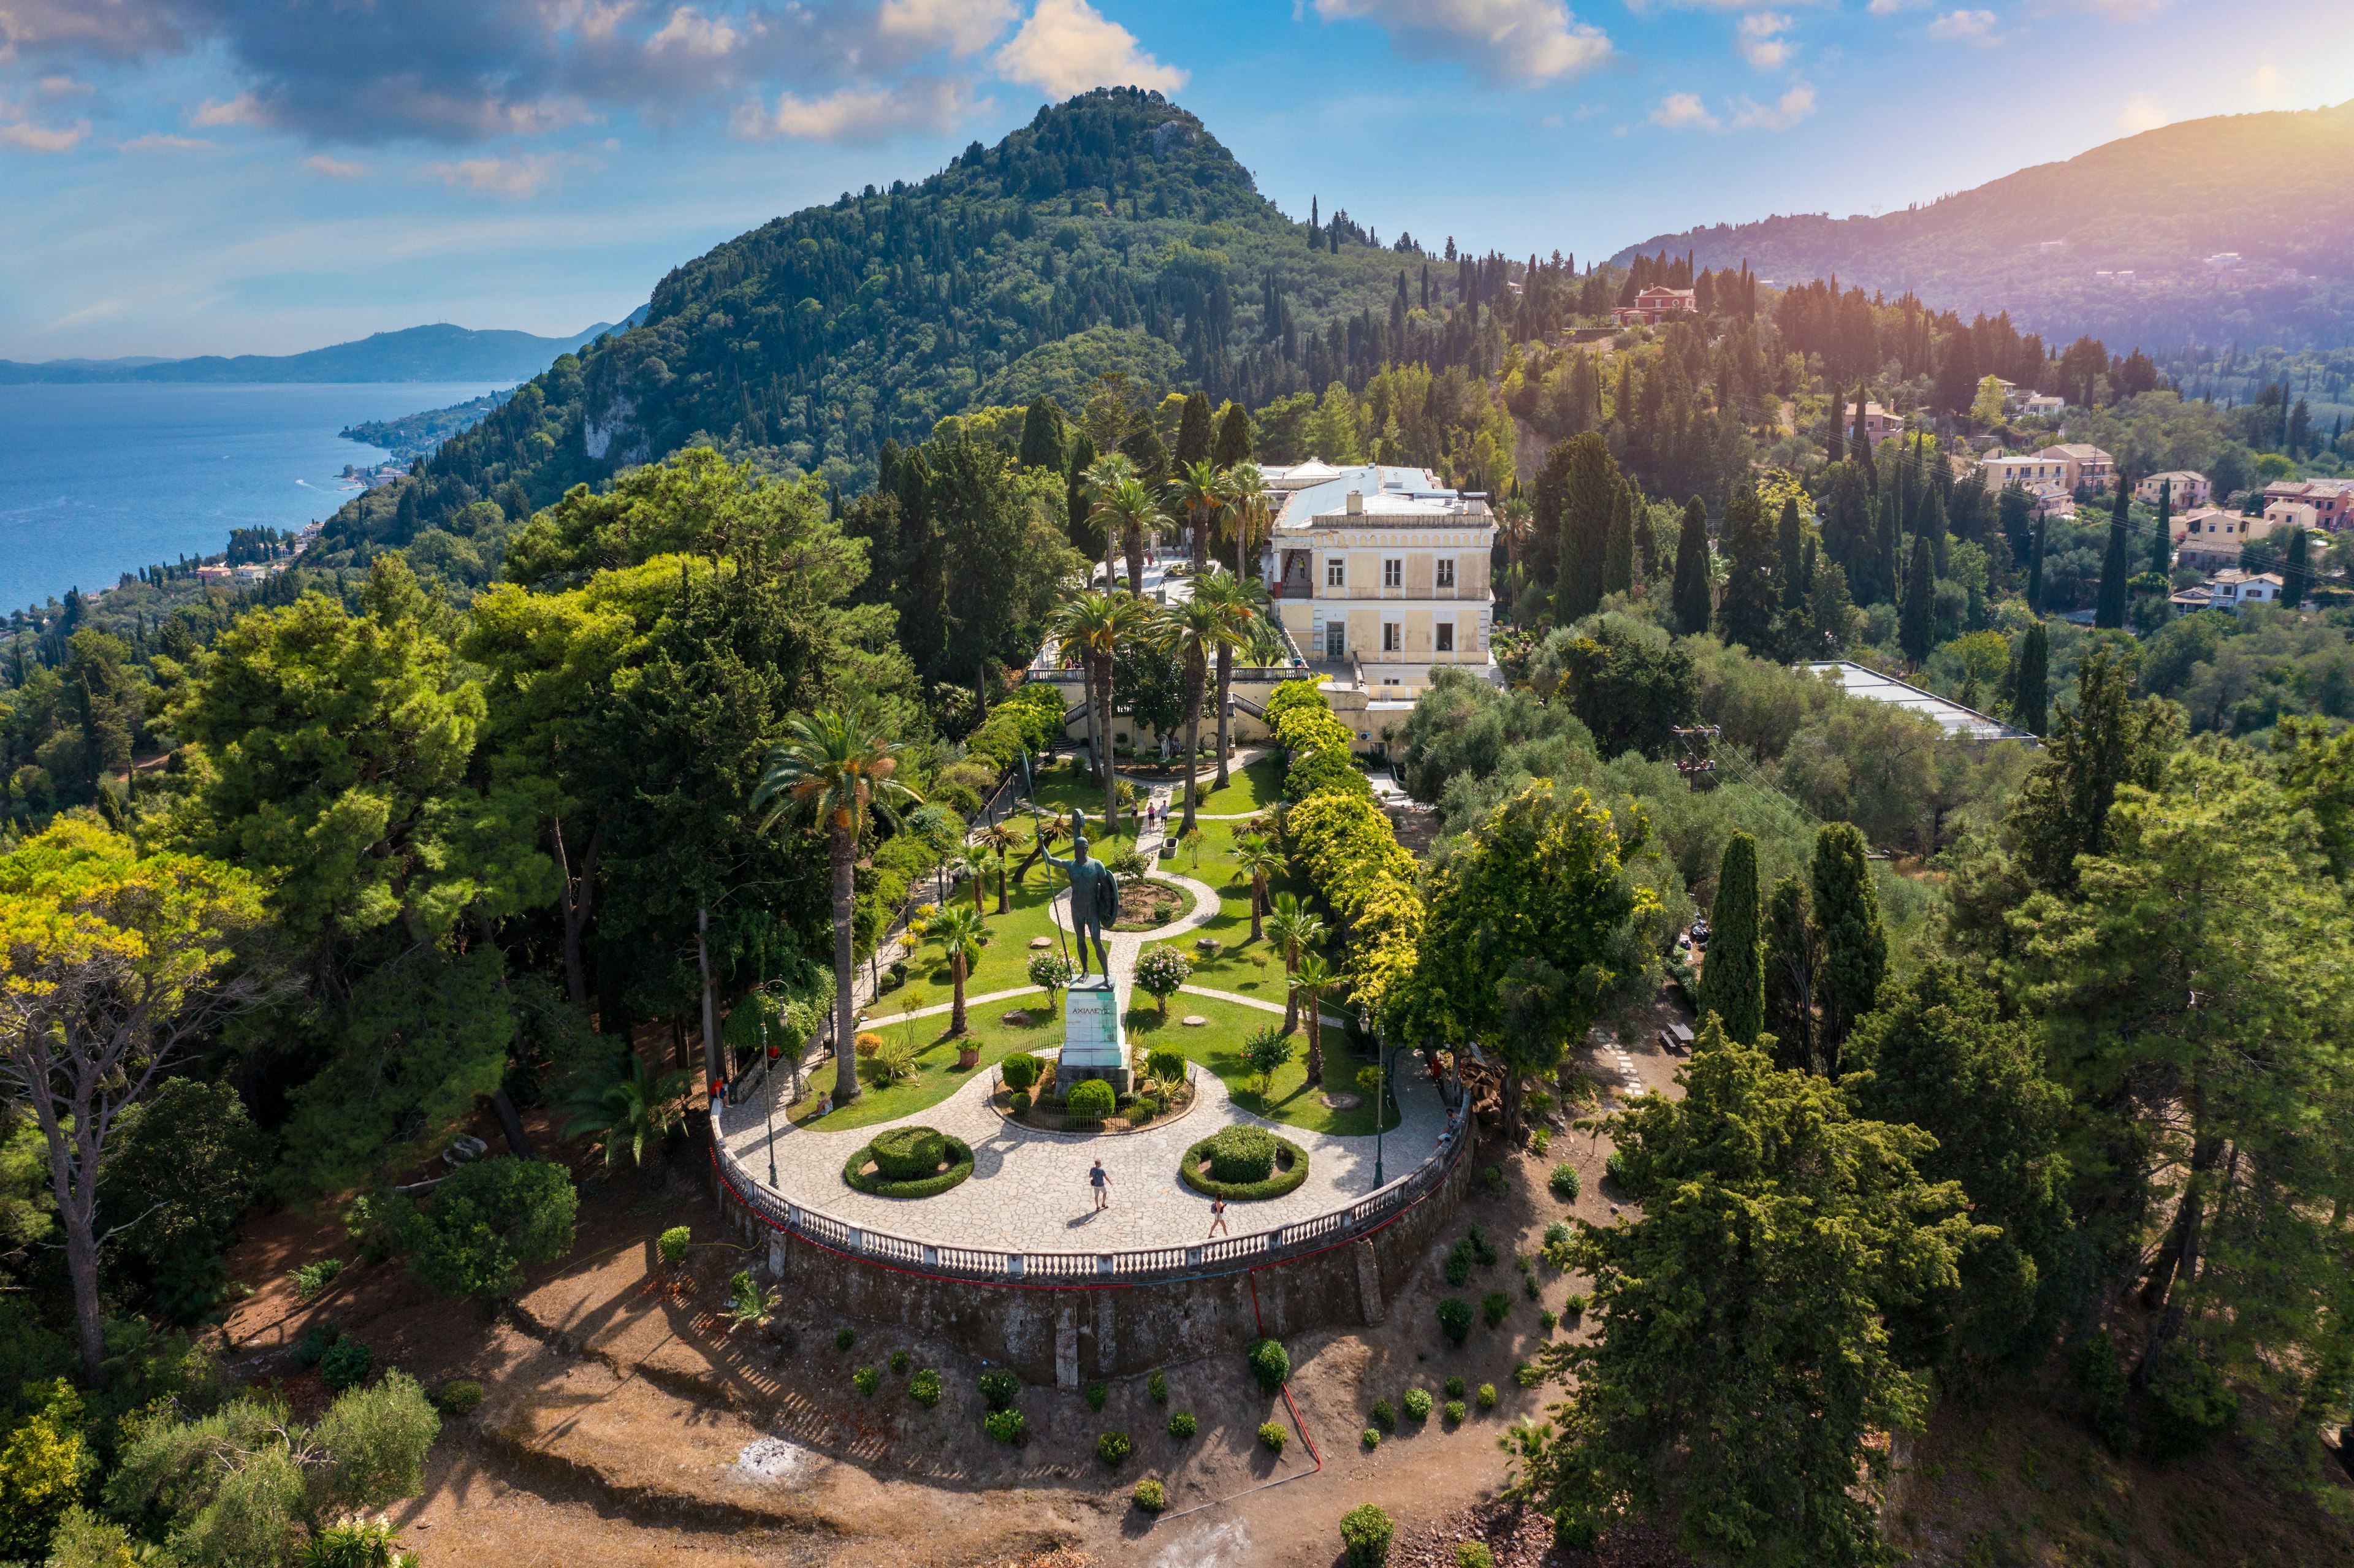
[1135, 1264]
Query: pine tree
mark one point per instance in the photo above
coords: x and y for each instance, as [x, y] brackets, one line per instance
[1692, 598]
[1746, 615]
[2116, 567]
[1792, 953]
[2030, 678]
[1731, 980]
[2161, 545]
[1234, 439]
[1854, 947]
[2297, 570]
[2035, 572]
[1193, 431]
[1794, 565]
[1916, 627]
[1618, 556]
[1041, 435]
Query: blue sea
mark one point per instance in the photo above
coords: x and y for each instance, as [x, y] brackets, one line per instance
[96, 481]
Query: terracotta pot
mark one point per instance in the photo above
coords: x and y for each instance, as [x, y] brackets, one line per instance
[968, 1057]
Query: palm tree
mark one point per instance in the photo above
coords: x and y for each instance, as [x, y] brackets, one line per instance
[1102, 478]
[1198, 490]
[959, 864]
[1260, 861]
[1083, 624]
[1517, 525]
[1244, 504]
[1295, 928]
[1191, 630]
[1001, 840]
[957, 933]
[1309, 984]
[1239, 601]
[637, 1107]
[833, 767]
[1129, 514]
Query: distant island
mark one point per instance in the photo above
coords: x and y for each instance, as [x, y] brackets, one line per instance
[437, 353]
[413, 435]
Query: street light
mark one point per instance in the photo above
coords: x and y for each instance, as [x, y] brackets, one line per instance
[1386, 1092]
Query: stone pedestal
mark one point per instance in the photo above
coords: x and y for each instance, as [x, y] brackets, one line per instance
[1092, 1045]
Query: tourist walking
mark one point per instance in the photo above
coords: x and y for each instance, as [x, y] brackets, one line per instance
[1218, 1216]
[1102, 1185]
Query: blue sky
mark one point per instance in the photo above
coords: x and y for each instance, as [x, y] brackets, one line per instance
[187, 176]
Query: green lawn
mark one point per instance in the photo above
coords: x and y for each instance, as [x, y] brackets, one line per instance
[937, 1076]
[1254, 789]
[1217, 1046]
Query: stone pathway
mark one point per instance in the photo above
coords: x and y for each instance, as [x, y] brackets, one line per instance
[1260, 1003]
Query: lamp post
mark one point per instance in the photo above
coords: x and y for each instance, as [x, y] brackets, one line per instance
[1382, 1096]
[769, 1056]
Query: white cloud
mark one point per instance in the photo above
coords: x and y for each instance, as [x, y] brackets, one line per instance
[690, 32]
[1965, 27]
[63, 87]
[859, 113]
[591, 18]
[1890, 7]
[156, 141]
[1759, 43]
[334, 168]
[961, 27]
[1504, 40]
[2142, 111]
[1679, 111]
[1780, 115]
[1067, 47]
[43, 138]
[516, 179]
[2268, 85]
[243, 109]
[2124, 10]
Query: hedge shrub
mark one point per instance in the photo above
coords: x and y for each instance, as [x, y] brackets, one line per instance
[924, 1388]
[1278, 1182]
[1005, 1425]
[1019, 1070]
[882, 1186]
[1090, 1100]
[1418, 1404]
[1274, 1434]
[1565, 1181]
[345, 1364]
[458, 1397]
[866, 1380]
[1182, 1424]
[1113, 1447]
[999, 1388]
[1242, 1154]
[1365, 1532]
[1455, 1413]
[1455, 1318]
[1384, 1415]
[1269, 1362]
[1495, 1307]
[1151, 1495]
[908, 1153]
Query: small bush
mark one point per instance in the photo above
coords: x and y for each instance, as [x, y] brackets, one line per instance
[1096, 1395]
[313, 1278]
[1572, 1307]
[1157, 1386]
[1005, 1425]
[1482, 1249]
[2191, 1405]
[1565, 1183]
[1454, 1319]
[1486, 1396]
[999, 1388]
[1523, 1262]
[866, 1380]
[1556, 1236]
[908, 1153]
[1384, 1415]
[345, 1364]
[1418, 1404]
[1181, 1424]
[924, 1388]
[1455, 1413]
[844, 1338]
[1269, 1362]
[1091, 1100]
[458, 1397]
[673, 1242]
[1274, 1434]
[1245, 1149]
[1242, 1154]
[1574, 1530]
[1550, 1318]
[1113, 1447]
[317, 1340]
[1151, 1495]
[2103, 1384]
[912, 1145]
[1020, 1071]
[1365, 1532]
[1165, 1065]
[1455, 1388]
[898, 1363]
[1474, 1555]
[1457, 1268]
[1540, 1141]
[1495, 1307]
[1371, 1437]
[1528, 1374]
[1492, 1183]
[1615, 1166]
[1529, 1288]
[1018, 1101]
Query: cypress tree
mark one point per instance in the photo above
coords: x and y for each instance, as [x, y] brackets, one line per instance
[2297, 570]
[1746, 616]
[2161, 548]
[1083, 534]
[1933, 528]
[2035, 572]
[1639, 517]
[1861, 446]
[1233, 446]
[2109, 609]
[1854, 958]
[1691, 596]
[1589, 479]
[1888, 557]
[1834, 438]
[1917, 616]
[1791, 955]
[2031, 678]
[1794, 565]
[1194, 430]
[1618, 556]
[1041, 435]
[1732, 981]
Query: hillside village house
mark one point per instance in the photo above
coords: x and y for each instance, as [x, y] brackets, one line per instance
[2073, 466]
[2043, 406]
[1880, 424]
[2231, 589]
[2189, 489]
[1653, 303]
[2331, 501]
[2213, 538]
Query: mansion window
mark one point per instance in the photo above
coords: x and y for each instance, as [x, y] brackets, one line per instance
[1392, 573]
[1446, 568]
[1336, 638]
[1392, 637]
[1444, 633]
[1336, 572]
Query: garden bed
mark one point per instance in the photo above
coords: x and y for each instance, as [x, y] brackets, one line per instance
[1285, 1166]
[913, 1162]
[1146, 904]
[1045, 1115]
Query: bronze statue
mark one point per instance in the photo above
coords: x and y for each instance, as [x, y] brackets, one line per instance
[1095, 895]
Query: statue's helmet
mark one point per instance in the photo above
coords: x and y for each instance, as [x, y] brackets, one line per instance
[1078, 846]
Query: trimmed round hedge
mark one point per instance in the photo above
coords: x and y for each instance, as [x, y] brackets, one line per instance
[1090, 1100]
[907, 1149]
[1278, 1180]
[1242, 1154]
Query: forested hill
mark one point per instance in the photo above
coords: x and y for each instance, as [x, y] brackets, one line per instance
[437, 353]
[1112, 232]
[2273, 187]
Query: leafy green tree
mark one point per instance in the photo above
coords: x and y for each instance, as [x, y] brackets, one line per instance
[1732, 982]
[1532, 923]
[2117, 566]
[2297, 569]
[2161, 539]
[1855, 947]
[2105, 741]
[1745, 614]
[1627, 682]
[1243, 607]
[834, 770]
[2031, 680]
[1740, 1362]
[44, 1464]
[1079, 498]
[1194, 432]
[1916, 617]
[2317, 773]
[487, 1220]
[1234, 443]
[1692, 586]
[185, 1165]
[1575, 494]
[1041, 435]
[1793, 955]
[1937, 1055]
